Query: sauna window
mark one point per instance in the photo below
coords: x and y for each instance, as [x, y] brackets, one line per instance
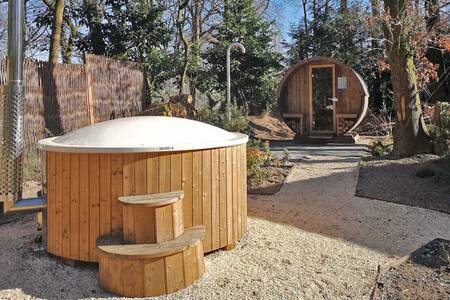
[322, 98]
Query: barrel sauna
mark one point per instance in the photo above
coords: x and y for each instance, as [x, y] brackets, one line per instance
[88, 169]
[322, 97]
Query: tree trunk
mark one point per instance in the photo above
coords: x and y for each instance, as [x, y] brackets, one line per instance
[94, 20]
[343, 7]
[410, 134]
[180, 24]
[55, 42]
[67, 51]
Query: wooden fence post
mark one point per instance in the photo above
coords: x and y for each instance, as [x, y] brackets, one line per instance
[89, 97]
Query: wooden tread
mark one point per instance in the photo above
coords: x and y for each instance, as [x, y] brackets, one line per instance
[113, 246]
[27, 204]
[153, 200]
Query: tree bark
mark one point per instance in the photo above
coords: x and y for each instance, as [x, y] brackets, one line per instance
[55, 42]
[410, 134]
[180, 24]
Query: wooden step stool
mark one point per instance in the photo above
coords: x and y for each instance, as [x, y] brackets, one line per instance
[152, 218]
[155, 255]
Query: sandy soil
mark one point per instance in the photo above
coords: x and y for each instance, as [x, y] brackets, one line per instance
[313, 240]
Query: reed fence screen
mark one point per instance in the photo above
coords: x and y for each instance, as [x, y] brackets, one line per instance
[62, 97]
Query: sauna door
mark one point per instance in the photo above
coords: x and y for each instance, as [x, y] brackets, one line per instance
[322, 98]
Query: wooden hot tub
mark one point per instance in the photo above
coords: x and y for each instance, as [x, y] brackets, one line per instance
[88, 169]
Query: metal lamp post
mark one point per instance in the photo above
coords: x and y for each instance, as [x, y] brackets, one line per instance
[240, 46]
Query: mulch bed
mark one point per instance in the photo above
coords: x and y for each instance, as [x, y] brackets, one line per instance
[425, 274]
[421, 181]
[273, 183]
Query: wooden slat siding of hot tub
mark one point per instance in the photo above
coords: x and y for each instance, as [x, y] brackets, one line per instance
[229, 186]
[223, 198]
[66, 210]
[240, 192]
[94, 204]
[84, 207]
[58, 206]
[51, 202]
[152, 178]
[92, 198]
[235, 192]
[244, 188]
[105, 194]
[116, 191]
[197, 176]
[128, 190]
[215, 214]
[75, 205]
[186, 180]
[142, 218]
[206, 166]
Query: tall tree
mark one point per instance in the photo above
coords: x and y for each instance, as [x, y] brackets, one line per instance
[410, 134]
[181, 19]
[55, 42]
[93, 17]
[254, 74]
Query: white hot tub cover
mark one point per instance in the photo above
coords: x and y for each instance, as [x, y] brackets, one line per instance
[143, 134]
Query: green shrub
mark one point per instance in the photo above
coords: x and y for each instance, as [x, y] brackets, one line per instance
[257, 172]
[285, 158]
[268, 156]
[379, 149]
[440, 133]
[237, 123]
[253, 143]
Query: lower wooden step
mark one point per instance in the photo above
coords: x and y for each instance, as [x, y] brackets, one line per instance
[145, 270]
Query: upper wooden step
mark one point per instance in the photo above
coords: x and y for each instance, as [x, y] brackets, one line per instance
[115, 246]
[153, 200]
[27, 204]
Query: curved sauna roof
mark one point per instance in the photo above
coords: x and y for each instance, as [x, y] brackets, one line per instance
[143, 134]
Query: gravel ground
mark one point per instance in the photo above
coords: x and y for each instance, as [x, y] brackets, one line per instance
[313, 240]
[397, 181]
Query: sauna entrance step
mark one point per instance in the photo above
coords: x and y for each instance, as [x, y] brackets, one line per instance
[145, 270]
[315, 138]
[150, 219]
[27, 204]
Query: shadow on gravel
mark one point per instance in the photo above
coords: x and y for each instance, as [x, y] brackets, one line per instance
[326, 205]
[422, 181]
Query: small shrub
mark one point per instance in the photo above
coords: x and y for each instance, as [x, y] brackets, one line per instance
[268, 156]
[379, 149]
[237, 123]
[440, 133]
[253, 143]
[285, 158]
[257, 172]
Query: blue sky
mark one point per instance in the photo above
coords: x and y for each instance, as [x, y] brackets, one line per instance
[290, 15]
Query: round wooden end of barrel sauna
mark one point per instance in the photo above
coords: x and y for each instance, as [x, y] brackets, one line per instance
[322, 96]
[89, 168]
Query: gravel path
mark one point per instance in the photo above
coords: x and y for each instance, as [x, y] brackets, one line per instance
[313, 240]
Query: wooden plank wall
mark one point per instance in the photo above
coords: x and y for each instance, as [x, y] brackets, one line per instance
[83, 190]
